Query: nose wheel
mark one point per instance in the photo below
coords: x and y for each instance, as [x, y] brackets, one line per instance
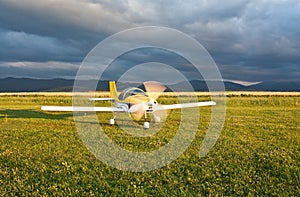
[146, 125]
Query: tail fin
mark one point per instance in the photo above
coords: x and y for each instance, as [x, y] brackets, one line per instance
[113, 89]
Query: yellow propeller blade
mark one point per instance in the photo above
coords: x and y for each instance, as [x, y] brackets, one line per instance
[138, 110]
[154, 89]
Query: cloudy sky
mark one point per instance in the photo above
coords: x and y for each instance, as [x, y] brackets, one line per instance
[250, 40]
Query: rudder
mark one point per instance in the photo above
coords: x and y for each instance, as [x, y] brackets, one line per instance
[113, 89]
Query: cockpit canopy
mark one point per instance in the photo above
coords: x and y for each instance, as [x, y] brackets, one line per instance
[130, 92]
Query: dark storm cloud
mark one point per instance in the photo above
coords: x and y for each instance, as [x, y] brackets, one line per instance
[49, 25]
[62, 19]
[149, 54]
[257, 38]
[20, 46]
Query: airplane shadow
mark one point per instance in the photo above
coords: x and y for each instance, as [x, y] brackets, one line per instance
[29, 113]
[123, 122]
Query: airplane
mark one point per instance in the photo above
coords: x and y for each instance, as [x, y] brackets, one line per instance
[134, 101]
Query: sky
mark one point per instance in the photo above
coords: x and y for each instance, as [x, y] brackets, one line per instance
[250, 40]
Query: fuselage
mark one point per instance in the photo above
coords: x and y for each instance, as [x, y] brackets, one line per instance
[134, 99]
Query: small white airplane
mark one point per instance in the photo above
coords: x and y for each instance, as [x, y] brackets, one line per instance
[134, 101]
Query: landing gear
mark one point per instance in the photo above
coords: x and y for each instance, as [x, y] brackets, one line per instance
[112, 121]
[156, 119]
[146, 125]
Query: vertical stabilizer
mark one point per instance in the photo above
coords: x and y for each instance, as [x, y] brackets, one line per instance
[113, 89]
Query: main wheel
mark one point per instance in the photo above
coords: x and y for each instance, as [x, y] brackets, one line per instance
[156, 119]
[111, 121]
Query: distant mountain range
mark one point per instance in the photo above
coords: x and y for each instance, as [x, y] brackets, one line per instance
[66, 85]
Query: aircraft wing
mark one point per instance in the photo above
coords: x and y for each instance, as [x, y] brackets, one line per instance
[83, 109]
[183, 105]
[101, 99]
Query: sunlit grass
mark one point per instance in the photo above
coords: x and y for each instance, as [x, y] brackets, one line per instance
[257, 154]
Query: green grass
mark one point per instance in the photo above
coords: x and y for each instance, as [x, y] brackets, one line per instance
[257, 154]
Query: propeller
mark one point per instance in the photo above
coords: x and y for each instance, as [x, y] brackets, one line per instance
[138, 110]
[154, 90]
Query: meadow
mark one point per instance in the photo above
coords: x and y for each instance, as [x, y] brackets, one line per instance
[257, 154]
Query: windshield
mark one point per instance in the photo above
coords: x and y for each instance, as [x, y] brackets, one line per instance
[130, 92]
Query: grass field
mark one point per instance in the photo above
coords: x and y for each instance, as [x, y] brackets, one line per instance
[257, 154]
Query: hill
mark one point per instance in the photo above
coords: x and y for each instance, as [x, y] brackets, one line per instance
[66, 85]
